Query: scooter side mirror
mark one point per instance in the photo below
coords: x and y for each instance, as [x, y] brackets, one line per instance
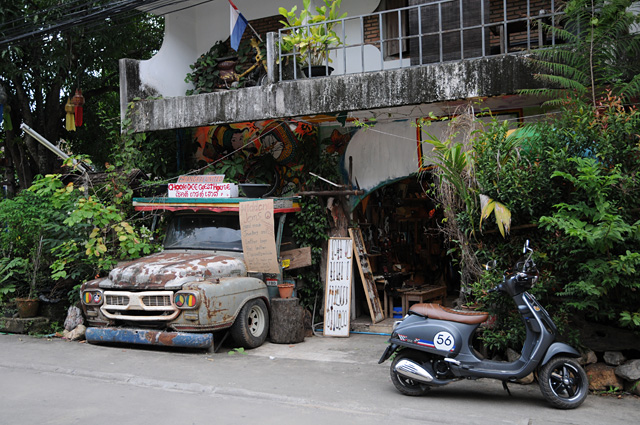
[526, 247]
[490, 265]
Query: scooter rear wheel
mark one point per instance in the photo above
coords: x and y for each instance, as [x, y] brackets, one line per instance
[406, 385]
[563, 383]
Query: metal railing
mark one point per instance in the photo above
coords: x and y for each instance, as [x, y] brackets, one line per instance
[436, 32]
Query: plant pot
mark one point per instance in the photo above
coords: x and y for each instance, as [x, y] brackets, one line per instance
[255, 190]
[226, 67]
[27, 307]
[285, 290]
[317, 71]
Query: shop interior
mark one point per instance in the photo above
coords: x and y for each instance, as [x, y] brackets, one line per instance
[404, 248]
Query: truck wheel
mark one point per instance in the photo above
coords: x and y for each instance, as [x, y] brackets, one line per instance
[406, 385]
[252, 324]
[563, 383]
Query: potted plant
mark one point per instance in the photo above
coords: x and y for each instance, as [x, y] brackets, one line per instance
[10, 268]
[28, 307]
[311, 35]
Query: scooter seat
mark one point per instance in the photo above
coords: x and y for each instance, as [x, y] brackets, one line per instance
[438, 312]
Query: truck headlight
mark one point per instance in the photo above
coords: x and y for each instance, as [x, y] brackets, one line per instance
[186, 300]
[92, 297]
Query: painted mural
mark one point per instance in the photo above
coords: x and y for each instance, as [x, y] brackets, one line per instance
[269, 151]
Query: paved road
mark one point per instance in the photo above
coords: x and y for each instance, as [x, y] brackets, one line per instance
[321, 381]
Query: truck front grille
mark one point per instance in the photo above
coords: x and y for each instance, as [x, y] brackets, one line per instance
[141, 306]
[116, 300]
[156, 300]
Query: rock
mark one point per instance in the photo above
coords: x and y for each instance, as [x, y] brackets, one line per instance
[632, 387]
[526, 380]
[35, 325]
[77, 334]
[74, 318]
[600, 337]
[614, 358]
[602, 377]
[629, 371]
[512, 355]
[308, 327]
[589, 357]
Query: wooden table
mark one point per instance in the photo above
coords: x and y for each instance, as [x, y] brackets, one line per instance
[388, 301]
[426, 293]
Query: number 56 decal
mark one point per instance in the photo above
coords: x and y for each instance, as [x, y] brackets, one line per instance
[444, 341]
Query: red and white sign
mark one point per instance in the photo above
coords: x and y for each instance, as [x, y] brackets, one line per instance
[203, 190]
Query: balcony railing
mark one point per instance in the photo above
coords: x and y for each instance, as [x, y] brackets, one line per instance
[434, 32]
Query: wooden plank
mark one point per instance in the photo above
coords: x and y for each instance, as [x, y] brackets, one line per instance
[366, 274]
[298, 258]
[337, 295]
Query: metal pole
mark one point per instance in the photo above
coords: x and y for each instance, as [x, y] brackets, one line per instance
[53, 148]
[271, 57]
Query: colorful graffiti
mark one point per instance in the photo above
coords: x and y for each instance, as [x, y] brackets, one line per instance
[275, 144]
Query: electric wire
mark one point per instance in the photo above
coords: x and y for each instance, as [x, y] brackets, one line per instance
[77, 18]
[85, 17]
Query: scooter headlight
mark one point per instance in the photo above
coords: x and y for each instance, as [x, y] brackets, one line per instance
[396, 324]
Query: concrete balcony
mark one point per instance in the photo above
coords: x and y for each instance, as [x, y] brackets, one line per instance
[443, 51]
[484, 77]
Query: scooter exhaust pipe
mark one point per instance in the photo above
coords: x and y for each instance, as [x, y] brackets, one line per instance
[412, 370]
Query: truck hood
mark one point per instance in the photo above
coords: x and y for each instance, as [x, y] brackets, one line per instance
[172, 269]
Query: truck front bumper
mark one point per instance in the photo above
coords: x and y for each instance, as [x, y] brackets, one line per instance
[149, 337]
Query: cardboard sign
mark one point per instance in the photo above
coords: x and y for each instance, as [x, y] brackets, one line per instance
[258, 238]
[202, 190]
[296, 258]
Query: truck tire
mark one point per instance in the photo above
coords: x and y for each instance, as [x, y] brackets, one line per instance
[252, 324]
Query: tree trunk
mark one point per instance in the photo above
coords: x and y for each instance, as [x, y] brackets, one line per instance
[287, 321]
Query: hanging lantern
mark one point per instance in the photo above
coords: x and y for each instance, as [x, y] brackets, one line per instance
[78, 101]
[70, 121]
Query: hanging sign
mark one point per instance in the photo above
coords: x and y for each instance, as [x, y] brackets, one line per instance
[258, 236]
[207, 186]
[207, 178]
[337, 297]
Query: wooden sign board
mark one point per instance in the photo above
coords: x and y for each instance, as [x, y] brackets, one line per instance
[337, 295]
[258, 238]
[207, 178]
[366, 274]
[297, 258]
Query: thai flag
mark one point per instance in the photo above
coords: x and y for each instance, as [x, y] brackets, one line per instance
[238, 25]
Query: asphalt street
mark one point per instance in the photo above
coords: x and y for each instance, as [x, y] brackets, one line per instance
[319, 381]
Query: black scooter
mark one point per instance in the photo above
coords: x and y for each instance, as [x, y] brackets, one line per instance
[433, 346]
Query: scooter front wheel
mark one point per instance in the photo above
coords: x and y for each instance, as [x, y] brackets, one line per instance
[408, 386]
[563, 383]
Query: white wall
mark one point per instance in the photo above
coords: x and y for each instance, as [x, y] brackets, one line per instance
[386, 151]
[191, 32]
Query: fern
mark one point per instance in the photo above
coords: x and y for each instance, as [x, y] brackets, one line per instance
[597, 49]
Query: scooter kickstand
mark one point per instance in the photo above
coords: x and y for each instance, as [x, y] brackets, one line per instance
[504, 385]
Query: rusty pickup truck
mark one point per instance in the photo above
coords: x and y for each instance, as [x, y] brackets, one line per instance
[196, 285]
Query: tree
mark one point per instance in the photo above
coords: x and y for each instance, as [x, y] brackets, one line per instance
[599, 47]
[39, 72]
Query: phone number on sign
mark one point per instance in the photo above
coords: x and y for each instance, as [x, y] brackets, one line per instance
[201, 194]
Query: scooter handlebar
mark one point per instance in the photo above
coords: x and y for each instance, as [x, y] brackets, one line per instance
[496, 289]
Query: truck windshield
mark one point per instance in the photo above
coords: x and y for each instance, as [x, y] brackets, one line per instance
[204, 232]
